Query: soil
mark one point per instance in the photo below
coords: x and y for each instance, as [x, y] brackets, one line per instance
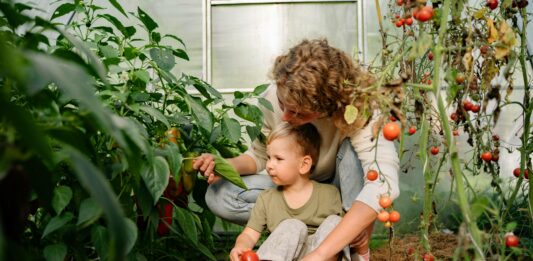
[408, 247]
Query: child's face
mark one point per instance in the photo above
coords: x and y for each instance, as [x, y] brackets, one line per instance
[285, 159]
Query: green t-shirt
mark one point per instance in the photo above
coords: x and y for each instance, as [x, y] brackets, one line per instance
[271, 208]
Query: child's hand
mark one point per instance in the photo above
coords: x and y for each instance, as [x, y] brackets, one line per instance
[236, 252]
[205, 163]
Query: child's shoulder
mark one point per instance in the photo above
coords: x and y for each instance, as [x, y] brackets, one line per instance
[327, 188]
[271, 192]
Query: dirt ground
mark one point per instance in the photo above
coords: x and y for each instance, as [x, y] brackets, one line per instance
[408, 248]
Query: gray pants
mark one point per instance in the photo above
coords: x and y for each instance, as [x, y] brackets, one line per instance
[234, 204]
[289, 241]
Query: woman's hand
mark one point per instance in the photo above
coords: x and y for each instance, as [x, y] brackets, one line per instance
[236, 252]
[205, 163]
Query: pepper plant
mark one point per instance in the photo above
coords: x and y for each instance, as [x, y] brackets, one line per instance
[97, 136]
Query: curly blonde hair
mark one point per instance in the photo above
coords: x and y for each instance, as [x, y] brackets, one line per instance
[316, 77]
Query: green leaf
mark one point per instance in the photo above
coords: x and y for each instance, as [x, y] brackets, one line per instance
[100, 189]
[231, 128]
[56, 252]
[63, 10]
[248, 112]
[186, 222]
[156, 114]
[266, 103]
[163, 58]
[142, 75]
[100, 238]
[253, 132]
[181, 54]
[205, 251]
[126, 31]
[225, 170]
[108, 51]
[205, 89]
[155, 176]
[62, 196]
[175, 38]
[56, 223]
[118, 7]
[131, 234]
[479, 206]
[146, 20]
[156, 37]
[174, 159]
[260, 89]
[90, 211]
[201, 115]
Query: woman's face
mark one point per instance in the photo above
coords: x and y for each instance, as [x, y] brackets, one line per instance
[295, 116]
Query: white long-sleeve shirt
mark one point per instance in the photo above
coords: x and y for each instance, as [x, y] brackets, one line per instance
[371, 153]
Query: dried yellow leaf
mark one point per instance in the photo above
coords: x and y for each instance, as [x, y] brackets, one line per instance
[350, 114]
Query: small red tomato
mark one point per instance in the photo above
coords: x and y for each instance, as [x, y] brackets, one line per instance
[495, 157]
[428, 257]
[492, 4]
[392, 118]
[385, 202]
[486, 156]
[484, 49]
[372, 175]
[430, 56]
[424, 14]
[399, 2]
[511, 240]
[495, 137]
[399, 23]
[475, 108]
[383, 216]
[412, 130]
[394, 216]
[428, 81]
[409, 21]
[467, 105]
[516, 173]
[434, 150]
[391, 131]
[249, 256]
[460, 78]
[454, 117]
[455, 133]
[397, 16]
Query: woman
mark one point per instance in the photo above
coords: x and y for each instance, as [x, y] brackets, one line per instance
[314, 82]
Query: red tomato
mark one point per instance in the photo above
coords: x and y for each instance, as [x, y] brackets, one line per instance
[412, 130]
[428, 81]
[486, 156]
[249, 256]
[383, 216]
[495, 157]
[399, 23]
[434, 150]
[399, 2]
[424, 14]
[475, 108]
[516, 173]
[455, 133]
[430, 54]
[394, 216]
[454, 116]
[409, 21]
[428, 257]
[385, 202]
[495, 137]
[467, 105]
[492, 4]
[511, 240]
[392, 118]
[484, 49]
[391, 131]
[372, 175]
[460, 78]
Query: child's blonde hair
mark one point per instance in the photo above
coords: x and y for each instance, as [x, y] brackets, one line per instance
[306, 136]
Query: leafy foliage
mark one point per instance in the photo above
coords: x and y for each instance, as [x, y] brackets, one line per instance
[84, 111]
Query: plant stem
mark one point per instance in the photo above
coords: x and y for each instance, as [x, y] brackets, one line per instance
[426, 170]
[454, 157]
[524, 153]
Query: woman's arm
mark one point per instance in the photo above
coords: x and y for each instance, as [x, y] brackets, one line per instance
[245, 241]
[358, 218]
